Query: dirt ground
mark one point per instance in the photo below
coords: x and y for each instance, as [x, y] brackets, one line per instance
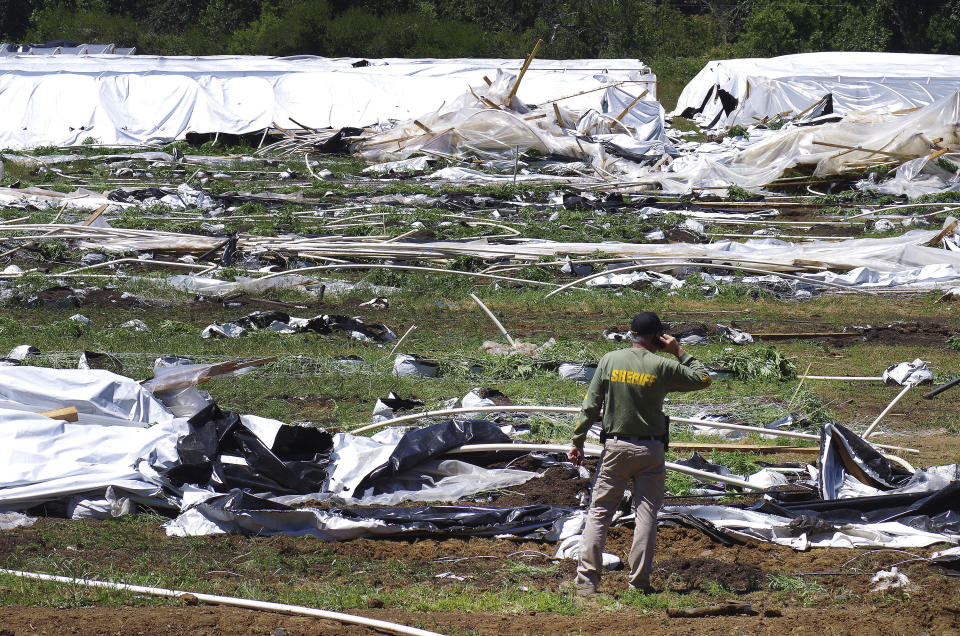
[685, 560]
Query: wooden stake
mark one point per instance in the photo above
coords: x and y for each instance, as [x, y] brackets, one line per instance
[96, 214]
[233, 365]
[631, 105]
[67, 414]
[556, 112]
[802, 379]
[866, 150]
[946, 230]
[523, 71]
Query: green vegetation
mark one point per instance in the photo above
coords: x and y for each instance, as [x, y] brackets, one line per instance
[760, 362]
[808, 592]
[738, 131]
[954, 342]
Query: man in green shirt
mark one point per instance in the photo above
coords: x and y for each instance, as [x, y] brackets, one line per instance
[630, 385]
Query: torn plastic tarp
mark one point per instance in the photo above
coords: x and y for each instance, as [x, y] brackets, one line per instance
[433, 480]
[743, 91]
[849, 466]
[412, 365]
[41, 199]
[908, 373]
[240, 512]
[215, 287]
[735, 335]
[419, 445]
[280, 322]
[11, 520]
[388, 407]
[223, 452]
[914, 178]
[43, 459]
[800, 533]
[93, 392]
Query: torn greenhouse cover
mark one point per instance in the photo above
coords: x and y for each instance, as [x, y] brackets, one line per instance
[488, 122]
[743, 91]
[144, 99]
[859, 139]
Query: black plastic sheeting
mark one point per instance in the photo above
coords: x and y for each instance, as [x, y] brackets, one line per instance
[485, 520]
[420, 445]
[937, 512]
[296, 464]
[666, 519]
[844, 452]
[448, 520]
[697, 462]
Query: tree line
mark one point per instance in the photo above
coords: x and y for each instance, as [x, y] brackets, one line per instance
[645, 29]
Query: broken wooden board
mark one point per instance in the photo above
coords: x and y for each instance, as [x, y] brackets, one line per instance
[67, 414]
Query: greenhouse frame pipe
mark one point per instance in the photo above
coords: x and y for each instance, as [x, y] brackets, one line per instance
[772, 431]
[752, 270]
[596, 450]
[232, 601]
[573, 410]
[869, 429]
[434, 270]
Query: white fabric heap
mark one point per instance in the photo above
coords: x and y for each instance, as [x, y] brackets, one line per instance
[908, 373]
[790, 84]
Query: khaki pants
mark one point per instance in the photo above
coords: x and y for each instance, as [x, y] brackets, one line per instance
[641, 466]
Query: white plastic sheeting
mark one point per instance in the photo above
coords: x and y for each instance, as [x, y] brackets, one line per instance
[877, 82]
[854, 142]
[355, 456]
[146, 99]
[486, 122]
[80, 199]
[95, 392]
[43, 459]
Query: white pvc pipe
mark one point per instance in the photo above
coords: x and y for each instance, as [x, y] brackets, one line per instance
[473, 409]
[494, 319]
[771, 431]
[596, 450]
[753, 270]
[412, 268]
[841, 377]
[229, 600]
[574, 410]
[872, 426]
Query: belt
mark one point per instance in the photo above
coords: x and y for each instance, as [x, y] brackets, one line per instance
[634, 438]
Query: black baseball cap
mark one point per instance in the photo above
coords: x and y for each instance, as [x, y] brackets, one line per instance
[647, 323]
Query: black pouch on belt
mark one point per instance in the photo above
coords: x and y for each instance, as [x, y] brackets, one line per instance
[603, 437]
[665, 438]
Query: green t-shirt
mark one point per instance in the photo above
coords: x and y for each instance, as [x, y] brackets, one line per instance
[629, 386]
